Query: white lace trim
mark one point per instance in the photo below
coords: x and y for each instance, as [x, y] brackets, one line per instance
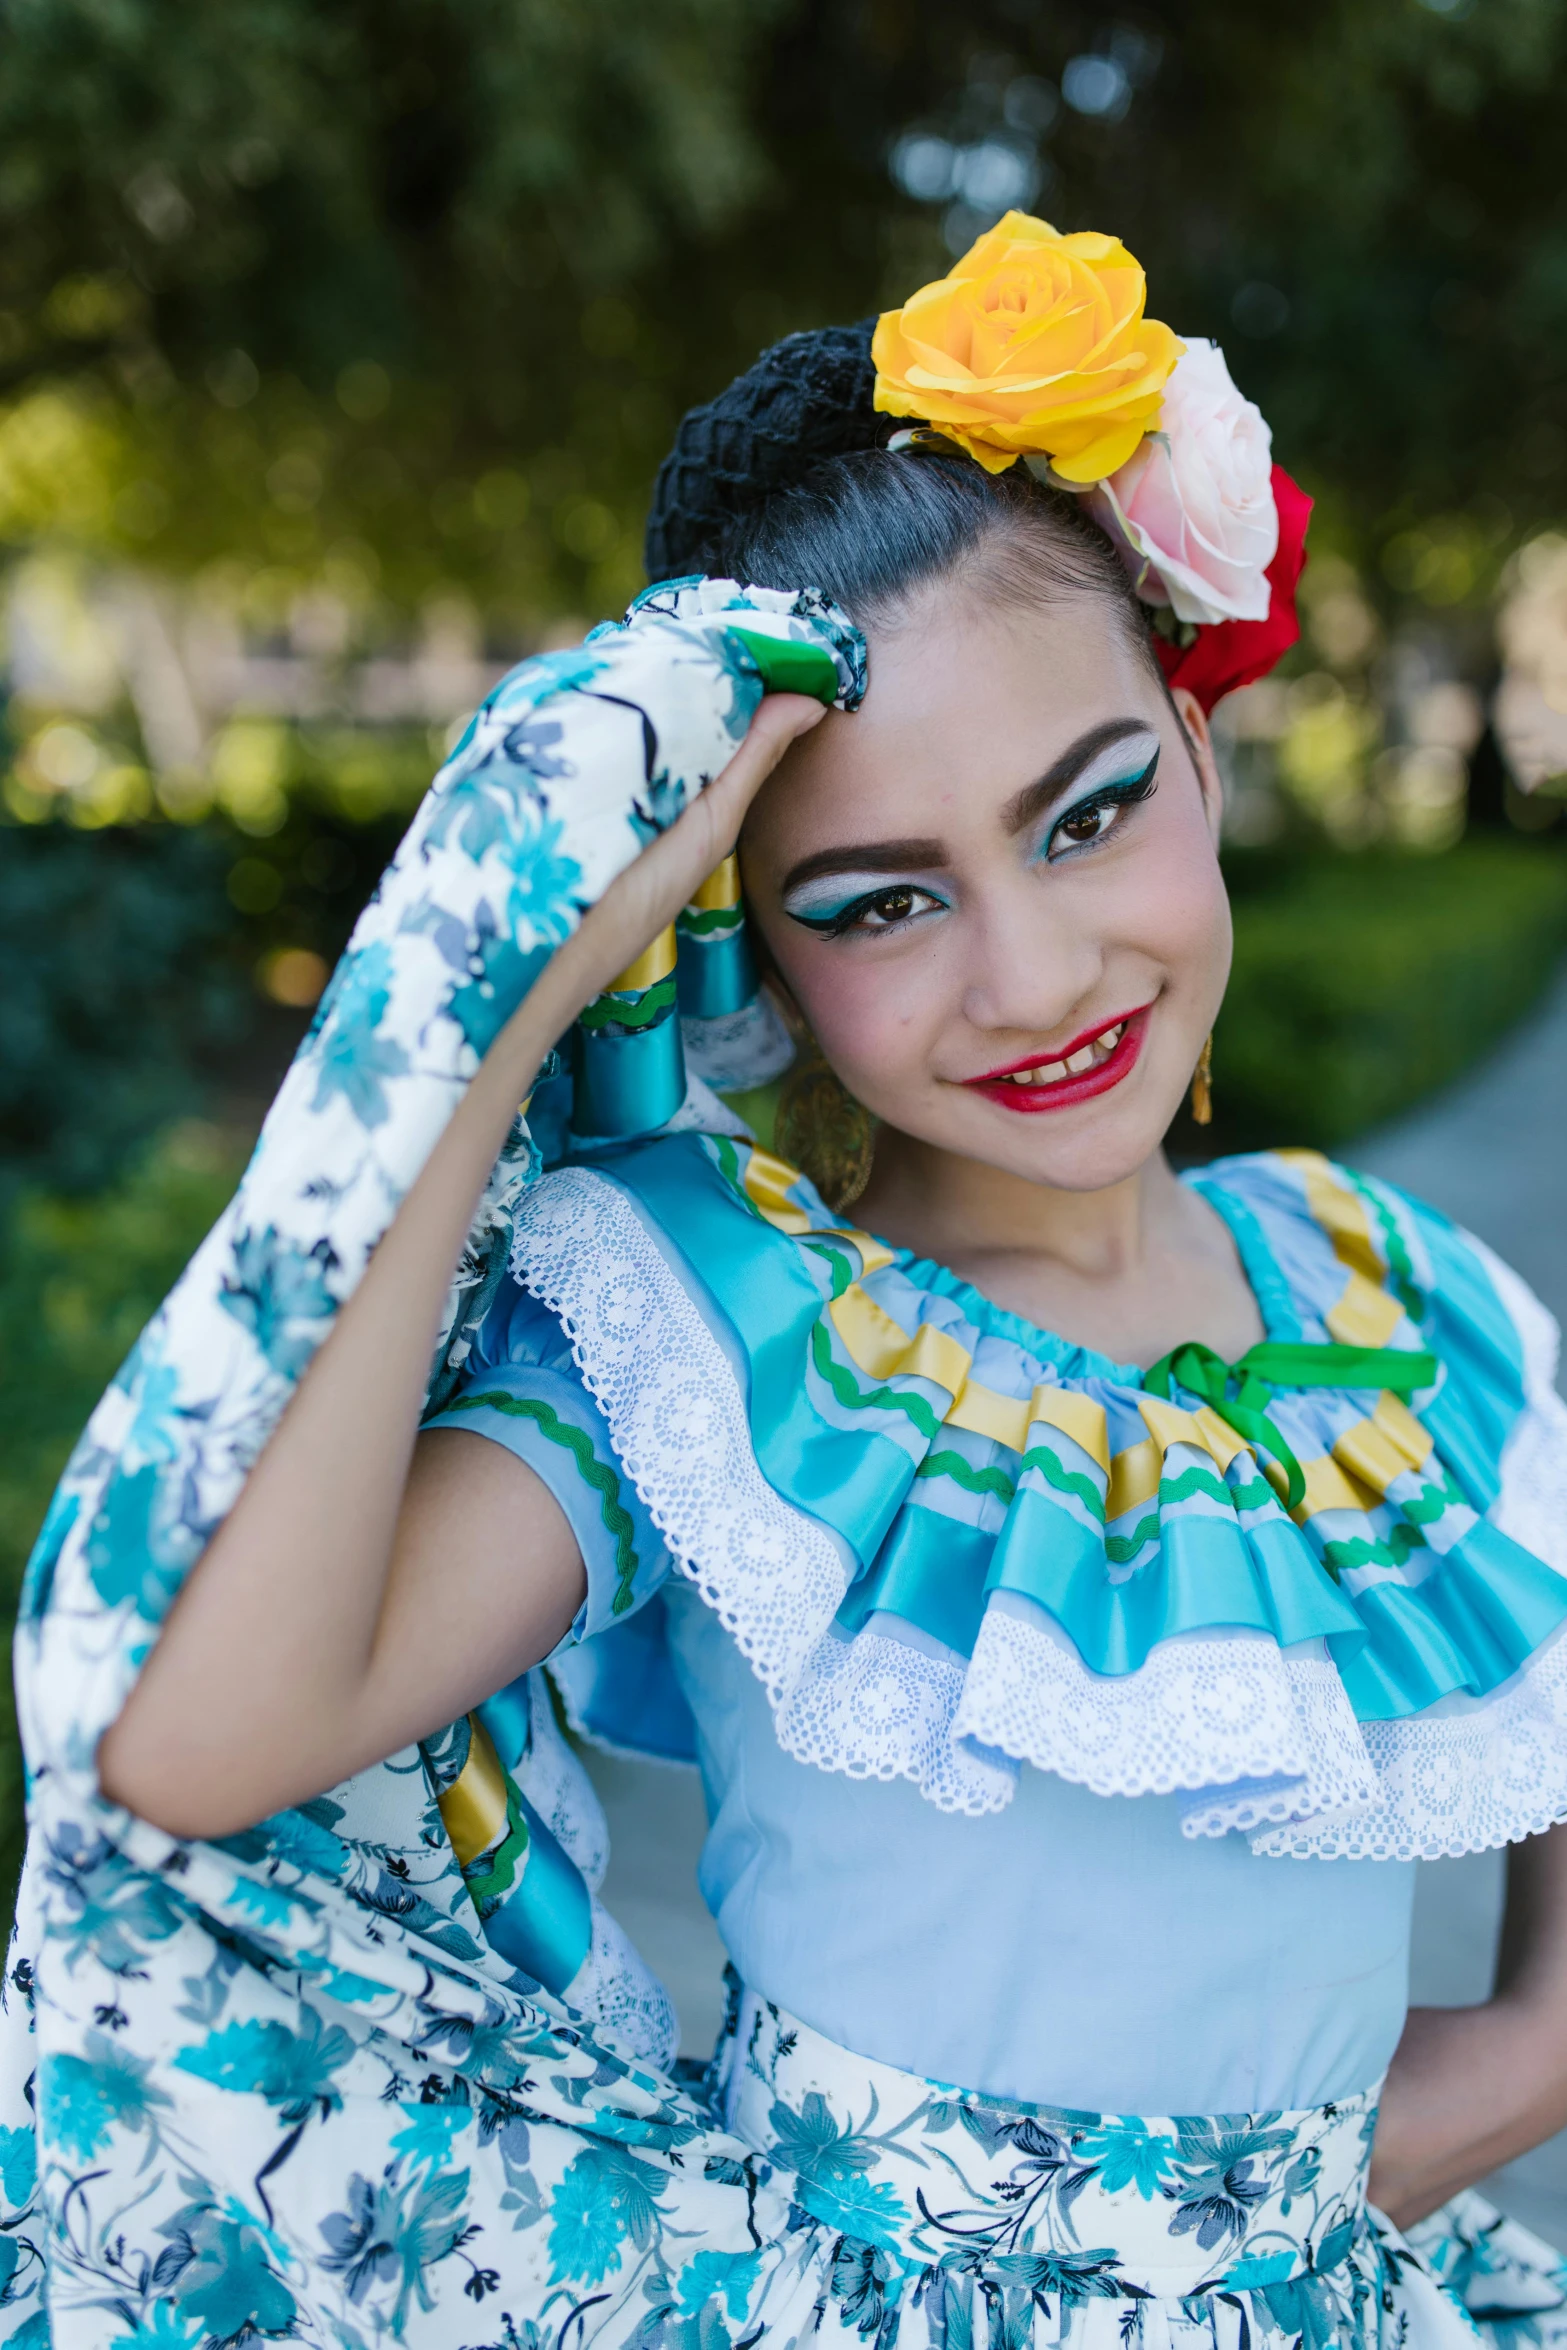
[1265, 1738]
[1204, 1711]
[621, 1996]
[560, 1790]
[678, 1423]
[1465, 1777]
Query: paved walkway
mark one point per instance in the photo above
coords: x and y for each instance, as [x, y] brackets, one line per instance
[1493, 1154]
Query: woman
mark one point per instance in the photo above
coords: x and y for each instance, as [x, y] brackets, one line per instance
[1036, 1561]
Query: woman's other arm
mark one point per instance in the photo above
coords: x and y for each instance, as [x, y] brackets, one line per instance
[1470, 2088]
[347, 1607]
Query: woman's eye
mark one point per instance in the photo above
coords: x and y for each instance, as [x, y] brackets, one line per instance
[892, 905]
[890, 908]
[1095, 819]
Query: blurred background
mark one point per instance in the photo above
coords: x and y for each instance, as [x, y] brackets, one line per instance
[338, 347]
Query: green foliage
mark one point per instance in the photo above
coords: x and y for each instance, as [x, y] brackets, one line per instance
[78, 1281]
[115, 986]
[326, 270]
[422, 289]
[1363, 983]
[140, 965]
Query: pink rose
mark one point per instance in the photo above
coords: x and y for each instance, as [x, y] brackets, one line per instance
[1192, 509]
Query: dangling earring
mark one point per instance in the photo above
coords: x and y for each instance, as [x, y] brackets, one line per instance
[820, 1128]
[1202, 1084]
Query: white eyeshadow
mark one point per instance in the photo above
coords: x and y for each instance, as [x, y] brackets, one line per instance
[830, 892]
[1118, 762]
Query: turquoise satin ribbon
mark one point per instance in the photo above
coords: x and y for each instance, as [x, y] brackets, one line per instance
[1283, 1363]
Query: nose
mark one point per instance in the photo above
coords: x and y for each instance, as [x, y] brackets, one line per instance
[1031, 969]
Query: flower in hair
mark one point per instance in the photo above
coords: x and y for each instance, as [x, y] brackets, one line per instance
[1213, 661]
[1192, 510]
[1034, 344]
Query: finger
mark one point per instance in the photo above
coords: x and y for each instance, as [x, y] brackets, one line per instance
[648, 895]
[713, 820]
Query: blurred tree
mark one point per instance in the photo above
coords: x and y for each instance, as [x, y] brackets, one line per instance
[433, 280]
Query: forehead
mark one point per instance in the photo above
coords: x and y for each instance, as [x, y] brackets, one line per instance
[967, 704]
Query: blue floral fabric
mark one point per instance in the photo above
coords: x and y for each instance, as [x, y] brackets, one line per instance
[289, 2087]
[984, 2221]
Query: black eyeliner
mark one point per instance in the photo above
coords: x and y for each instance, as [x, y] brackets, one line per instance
[1131, 793]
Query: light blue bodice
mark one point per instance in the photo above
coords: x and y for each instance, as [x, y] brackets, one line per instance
[1073, 1943]
[1021, 1558]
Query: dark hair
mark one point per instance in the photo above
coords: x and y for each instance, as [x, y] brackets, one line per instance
[785, 480]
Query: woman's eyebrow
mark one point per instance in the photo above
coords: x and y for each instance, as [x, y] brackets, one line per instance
[1031, 802]
[875, 856]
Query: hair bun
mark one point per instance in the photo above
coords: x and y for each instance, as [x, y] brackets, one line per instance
[809, 397]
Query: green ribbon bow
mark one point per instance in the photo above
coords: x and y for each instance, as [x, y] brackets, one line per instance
[1281, 1363]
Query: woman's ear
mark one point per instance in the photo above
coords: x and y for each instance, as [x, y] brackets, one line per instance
[1199, 741]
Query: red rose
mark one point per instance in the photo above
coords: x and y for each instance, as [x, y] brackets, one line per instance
[1231, 653]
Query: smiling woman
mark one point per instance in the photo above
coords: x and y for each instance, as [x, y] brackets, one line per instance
[1032, 1566]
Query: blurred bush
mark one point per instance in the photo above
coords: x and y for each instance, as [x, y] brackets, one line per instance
[1362, 983]
[154, 969]
[78, 1279]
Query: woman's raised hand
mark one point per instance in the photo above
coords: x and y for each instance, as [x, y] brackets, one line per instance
[648, 895]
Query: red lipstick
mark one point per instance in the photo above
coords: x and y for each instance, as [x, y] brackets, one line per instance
[1116, 1044]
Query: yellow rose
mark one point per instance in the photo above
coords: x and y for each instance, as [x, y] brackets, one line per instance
[1035, 344]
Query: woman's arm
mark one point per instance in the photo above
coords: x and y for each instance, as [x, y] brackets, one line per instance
[345, 1608]
[1470, 2088]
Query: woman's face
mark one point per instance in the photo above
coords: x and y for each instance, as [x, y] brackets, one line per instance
[994, 892]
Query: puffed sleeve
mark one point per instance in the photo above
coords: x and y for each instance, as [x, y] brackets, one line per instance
[521, 1388]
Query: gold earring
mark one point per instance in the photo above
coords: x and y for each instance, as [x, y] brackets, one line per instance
[1202, 1084]
[820, 1128]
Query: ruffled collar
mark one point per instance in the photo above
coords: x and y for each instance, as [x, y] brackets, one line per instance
[952, 1543]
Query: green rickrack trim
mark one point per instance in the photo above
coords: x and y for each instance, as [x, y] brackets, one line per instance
[1399, 1548]
[1120, 1548]
[631, 1012]
[1400, 1265]
[847, 1391]
[709, 921]
[1065, 1480]
[1252, 1494]
[844, 1273]
[593, 1472]
[1435, 1498]
[491, 1877]
[963, 1472]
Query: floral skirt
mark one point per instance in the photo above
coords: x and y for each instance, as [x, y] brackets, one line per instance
[965, 2222]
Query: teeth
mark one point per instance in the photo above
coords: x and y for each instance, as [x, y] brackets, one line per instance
[1090, 1057]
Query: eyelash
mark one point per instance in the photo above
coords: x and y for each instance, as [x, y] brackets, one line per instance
[849, 917]
[1112, 796]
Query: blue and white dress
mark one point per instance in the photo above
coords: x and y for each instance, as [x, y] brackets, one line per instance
[1067, 1749]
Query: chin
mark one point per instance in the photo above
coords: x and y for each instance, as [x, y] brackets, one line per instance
[1096, 1163]
[1085, 1146]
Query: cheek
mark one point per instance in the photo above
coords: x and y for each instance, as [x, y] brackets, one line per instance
[1169, 902]
[866, 1011]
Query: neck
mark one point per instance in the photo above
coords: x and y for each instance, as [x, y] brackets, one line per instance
[955, 1209]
